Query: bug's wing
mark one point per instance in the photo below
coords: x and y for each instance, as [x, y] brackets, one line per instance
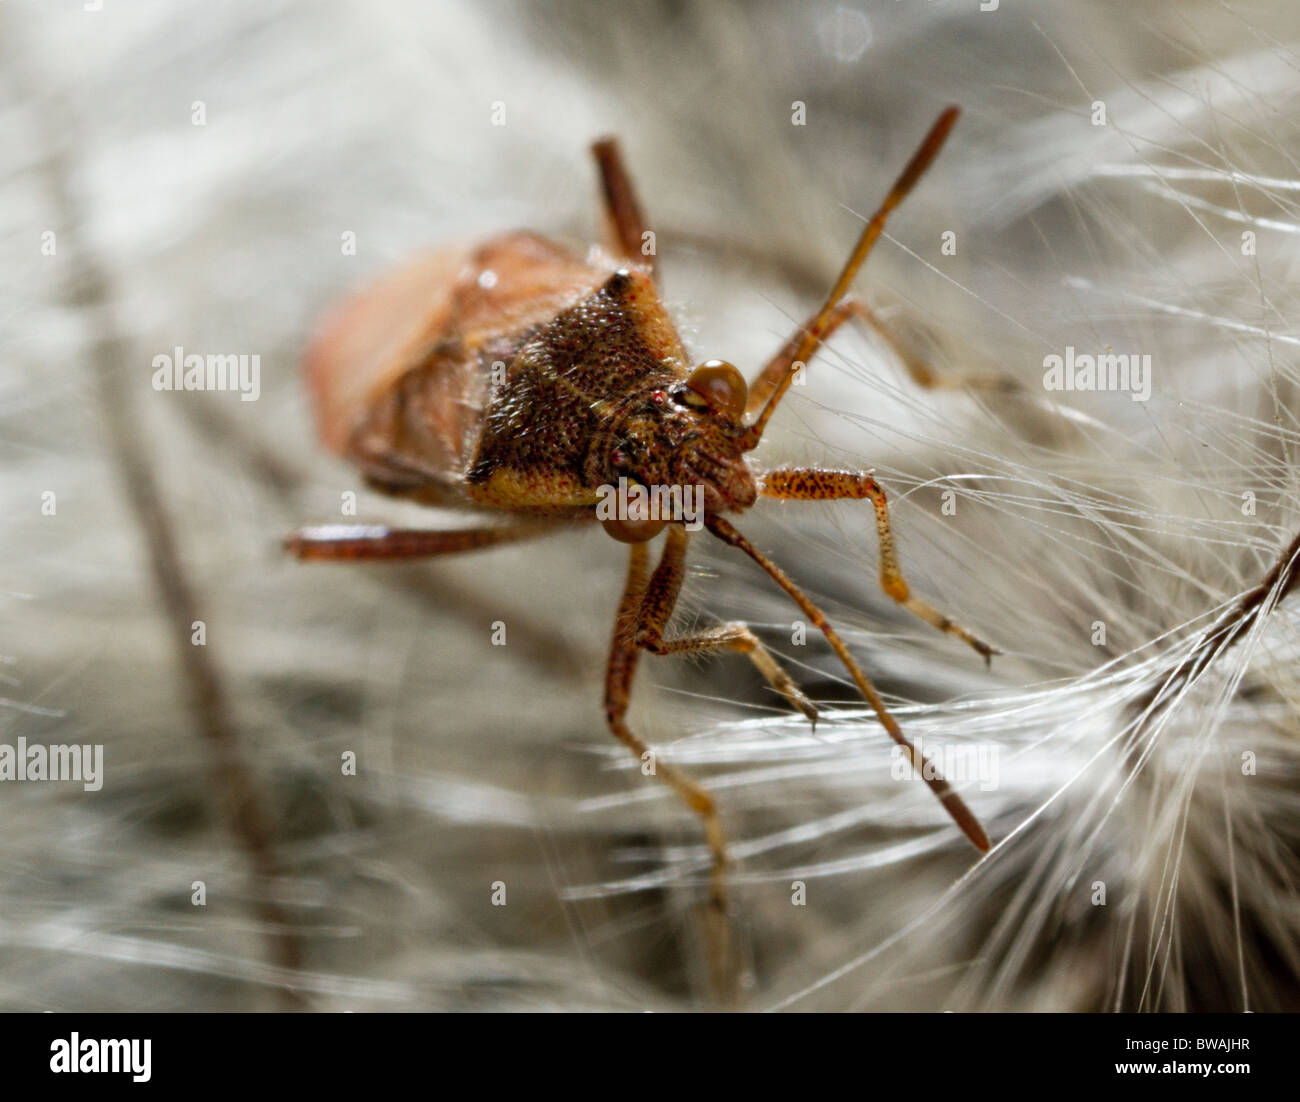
[518, 281]
[402, 374]
[370, 340]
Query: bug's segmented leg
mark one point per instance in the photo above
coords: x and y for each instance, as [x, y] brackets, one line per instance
[810, 336]
[657, 608]
[740, 638]
[623, 656]
[948, 797]
[816, 484]
[776, 369]
[854, 309]
[621, 204]
[359, 543]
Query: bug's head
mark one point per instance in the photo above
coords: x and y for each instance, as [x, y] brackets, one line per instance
[688, 439]
[714, 397]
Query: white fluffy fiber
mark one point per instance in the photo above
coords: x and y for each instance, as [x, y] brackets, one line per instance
[482, 764]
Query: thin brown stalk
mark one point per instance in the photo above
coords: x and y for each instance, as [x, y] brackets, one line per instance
[91, 294]
[1272, 589]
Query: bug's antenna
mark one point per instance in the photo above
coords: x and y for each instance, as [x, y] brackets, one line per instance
[952, 803]
[812, 336]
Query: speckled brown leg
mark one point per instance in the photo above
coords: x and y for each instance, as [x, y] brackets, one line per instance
[618, 684]
[816, 484]
[920, 372]
[951, 801]
[657, 609]
[621, 205]
[358, 543]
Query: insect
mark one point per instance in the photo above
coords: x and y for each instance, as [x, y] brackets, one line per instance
[518, 380]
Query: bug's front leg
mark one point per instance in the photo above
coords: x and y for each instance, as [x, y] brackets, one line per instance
[816, 484]
[623, 656]
[657, 610]
[618, 684]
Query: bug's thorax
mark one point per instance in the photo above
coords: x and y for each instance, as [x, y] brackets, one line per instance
[602, 392]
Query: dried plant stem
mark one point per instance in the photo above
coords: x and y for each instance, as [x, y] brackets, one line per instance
[91, 295]
[1272, 589]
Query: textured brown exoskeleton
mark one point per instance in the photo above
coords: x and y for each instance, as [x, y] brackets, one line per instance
[518, 379]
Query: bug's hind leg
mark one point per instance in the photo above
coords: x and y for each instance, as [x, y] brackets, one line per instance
[618, 683]
[816, 484]
[919, 370]
[357, 543]
[621, 205]
[853, 309]
[776, 369]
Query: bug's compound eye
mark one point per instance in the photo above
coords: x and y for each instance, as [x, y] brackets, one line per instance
[720, 385]
[633, 531]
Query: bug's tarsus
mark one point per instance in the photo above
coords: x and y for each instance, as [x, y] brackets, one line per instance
[813, 334]
[621, 667]
[952, 802]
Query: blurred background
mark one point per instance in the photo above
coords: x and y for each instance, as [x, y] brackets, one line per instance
[1123, 178]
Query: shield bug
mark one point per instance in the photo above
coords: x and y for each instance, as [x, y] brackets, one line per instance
[518, 381]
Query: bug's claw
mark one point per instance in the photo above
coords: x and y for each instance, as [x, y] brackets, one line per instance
[809, 709]
[811, 713]
[986, 649]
